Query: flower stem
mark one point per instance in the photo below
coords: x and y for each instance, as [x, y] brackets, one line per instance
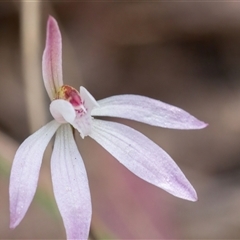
[31, 63]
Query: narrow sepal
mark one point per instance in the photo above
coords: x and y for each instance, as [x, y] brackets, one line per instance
[143, 157]
[70, 185]
[25, 171]
[147, 110]
[52, 59]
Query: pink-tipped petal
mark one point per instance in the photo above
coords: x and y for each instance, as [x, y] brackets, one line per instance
[52, 59]
[70, 185]
[143, 157]
[25, 171]
[62, 111]
[147, 110]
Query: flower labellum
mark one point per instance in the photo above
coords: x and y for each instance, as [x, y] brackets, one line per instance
[78, 109]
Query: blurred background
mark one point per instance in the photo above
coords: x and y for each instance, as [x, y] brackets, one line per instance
[186, 54]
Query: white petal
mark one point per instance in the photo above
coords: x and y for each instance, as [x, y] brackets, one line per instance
[25, 171]
[83, 124]
[143, 157]
[89, 100]
[70, 185]
[62, 111]
[147, 110]
[52, 59]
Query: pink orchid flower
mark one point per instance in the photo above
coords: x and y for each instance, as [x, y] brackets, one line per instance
[71, 108]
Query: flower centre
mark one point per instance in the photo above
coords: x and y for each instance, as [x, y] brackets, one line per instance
[78, 112]
[71, 95]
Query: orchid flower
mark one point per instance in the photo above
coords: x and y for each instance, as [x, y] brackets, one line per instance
[77, 110]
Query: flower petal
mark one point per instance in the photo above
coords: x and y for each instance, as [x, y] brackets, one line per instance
[62, 111]
[70, 185]
[25, 171]
[147, 110]
[143, 157]
[52, 59]
[89, 100]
